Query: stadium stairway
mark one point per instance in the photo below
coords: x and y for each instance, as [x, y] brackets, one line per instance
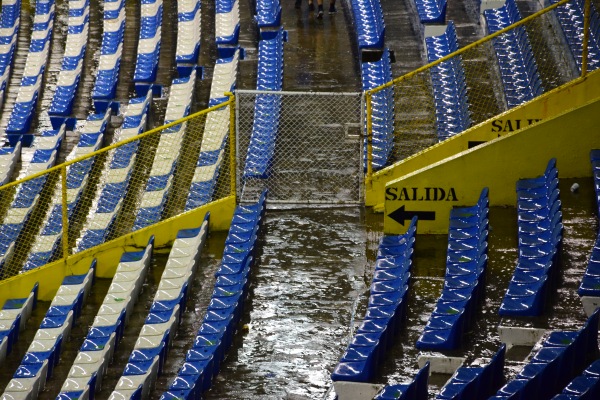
[145, 303]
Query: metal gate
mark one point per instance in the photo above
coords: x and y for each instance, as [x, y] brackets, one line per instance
[305, 147]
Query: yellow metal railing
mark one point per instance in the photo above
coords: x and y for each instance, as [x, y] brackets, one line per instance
[203, 131]
[412, 91]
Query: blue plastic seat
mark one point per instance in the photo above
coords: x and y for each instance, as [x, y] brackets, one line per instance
[414, 390]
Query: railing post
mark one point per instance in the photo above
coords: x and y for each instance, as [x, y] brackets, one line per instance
[232, 140]
[65, 212]
[586, 37]
[369, 117]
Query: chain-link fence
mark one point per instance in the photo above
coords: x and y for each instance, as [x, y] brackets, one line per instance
[490, 75]
[99, 195]
[305, 147]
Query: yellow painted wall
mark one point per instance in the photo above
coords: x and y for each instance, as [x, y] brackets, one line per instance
[108, 254]
[566, 97]
[497, 164]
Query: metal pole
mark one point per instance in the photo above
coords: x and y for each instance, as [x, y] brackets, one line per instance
[362, 193]
[232, 144]
[586, 37]
[65, 213]
[369, 141]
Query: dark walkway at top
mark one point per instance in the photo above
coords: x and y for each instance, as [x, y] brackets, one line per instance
[318, 56]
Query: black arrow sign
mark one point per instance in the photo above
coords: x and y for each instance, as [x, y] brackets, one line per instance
[401, 215]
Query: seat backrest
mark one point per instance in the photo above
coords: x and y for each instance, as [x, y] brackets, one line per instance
[419, 384]
[496, 370]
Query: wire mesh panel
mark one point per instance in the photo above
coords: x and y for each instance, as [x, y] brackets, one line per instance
[482, 80]
[304, 147]
[109, 190]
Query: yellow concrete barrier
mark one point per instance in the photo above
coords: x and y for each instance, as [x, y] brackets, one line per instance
[108, 254]
[567, 97]
[431, 192]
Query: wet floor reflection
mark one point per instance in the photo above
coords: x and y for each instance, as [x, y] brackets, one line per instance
[319, 55]
[312, 267]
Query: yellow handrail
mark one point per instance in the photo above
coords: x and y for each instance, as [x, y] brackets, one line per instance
[586, 37]
[369, 177]
[232, 144]
[65, 212]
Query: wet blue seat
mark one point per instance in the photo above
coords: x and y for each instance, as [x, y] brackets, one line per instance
[353, 371]
[382, 274]
[185, 387]
[223, 328]
[486, 380]
[140, 367]
[583, 388]
[380, 327]
[232, 279]
[144, 355]
[388, 298]
[233, 268]
[192, 375]
[442, 331]
[414, 390]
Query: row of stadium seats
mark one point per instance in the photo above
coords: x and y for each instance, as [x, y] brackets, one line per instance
[369, 27]
[518, 69]
[268, 13]
[107, 329]
[188, 35]
[28, 193]
[43, 354]
[24, 108]
[562, 356]
[540, 238]
[431, 11]
[111, 50]
[414, 390]
[118, 168]
[146, 65]
[46, 245]
[540, 379]
[590, 284]
[161, 177]
[156, 336]
[13, 317]
[267, 108]
[449, 86]
[202, 361]
[10, 21]
[570, 18]
[68, 76]
[368, 24]
[216, 127]
[476, 382]
[227, 26]
[374, 74]
[216, 130]
[224, 80]
[167, 153]
[464, 282]
[385, 312]
[72, 63]
[583, 387]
